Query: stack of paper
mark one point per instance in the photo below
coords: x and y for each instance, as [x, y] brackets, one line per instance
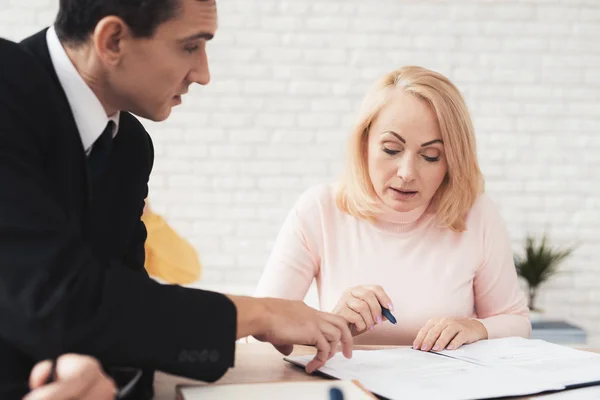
[486, 369]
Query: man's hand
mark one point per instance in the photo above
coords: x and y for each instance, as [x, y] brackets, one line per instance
[77, 377]
[284, 323]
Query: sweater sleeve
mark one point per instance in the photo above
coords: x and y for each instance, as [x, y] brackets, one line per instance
[499, 301]
[295, 259]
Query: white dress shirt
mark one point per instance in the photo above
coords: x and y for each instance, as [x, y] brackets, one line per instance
[90, 116]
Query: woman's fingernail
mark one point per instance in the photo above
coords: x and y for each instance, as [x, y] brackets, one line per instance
[371, 328]
[451, 347]
[436, 347]
[390, 307]
[379, 320]
[424, 347]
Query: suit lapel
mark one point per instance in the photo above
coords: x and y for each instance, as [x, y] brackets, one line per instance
[38, 46]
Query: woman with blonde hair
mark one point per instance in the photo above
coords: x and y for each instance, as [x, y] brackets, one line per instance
[408, 228]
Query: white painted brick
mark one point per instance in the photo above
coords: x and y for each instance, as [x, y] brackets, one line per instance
[187, 151]
[234, 213]
[279, 120]
[291, 103]
[174, 166]
[265, 87]
[280, 54]
[235, 55]
[202, 135]
[252, 37]
[241, 135]
[593, 77]
[294, 7]
[29, 4]
[23, 16]
[326, 23]
[514, 76]
[262, 168]
[211, 228]
[182, 181]
[332, 104]
[310, 88]
[471, 75]
[317, 120]
[278, 182]
[330, 56]
[434, 42]
[280, 23]
[231, 120]
[212, 198]
[46, 18]
[304, 167]
[218, 260]
[590, 14]
[526, 44]
[206, 167]
[255, 197]
[231, 151]
[237, 183]
[558, 14]
[589, 60]
[292, 136]
[294, 72]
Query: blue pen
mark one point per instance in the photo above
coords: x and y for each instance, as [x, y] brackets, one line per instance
[335, 394]
[386, 313]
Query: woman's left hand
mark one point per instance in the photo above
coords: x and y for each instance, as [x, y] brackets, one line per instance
[450, 333]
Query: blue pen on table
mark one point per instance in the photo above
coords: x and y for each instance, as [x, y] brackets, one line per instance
[335, 394]
[386, 313]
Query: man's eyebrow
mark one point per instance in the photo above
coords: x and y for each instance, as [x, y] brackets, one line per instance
[200, 35]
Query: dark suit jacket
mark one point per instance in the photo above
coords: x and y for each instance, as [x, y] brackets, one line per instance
[72, 275]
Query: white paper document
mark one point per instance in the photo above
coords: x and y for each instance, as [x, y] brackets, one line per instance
[586, 393]
[559, 364]
[486, 369]
[411, 374]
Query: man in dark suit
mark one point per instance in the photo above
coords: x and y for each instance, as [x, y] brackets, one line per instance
[74, 167]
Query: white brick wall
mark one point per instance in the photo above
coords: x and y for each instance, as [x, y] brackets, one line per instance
[289, 74]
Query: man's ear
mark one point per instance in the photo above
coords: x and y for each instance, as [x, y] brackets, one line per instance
[108, 38]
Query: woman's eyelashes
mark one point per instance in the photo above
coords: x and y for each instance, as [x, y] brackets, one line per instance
[427, 157]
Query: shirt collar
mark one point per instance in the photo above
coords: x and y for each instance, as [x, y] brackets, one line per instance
[89, 114]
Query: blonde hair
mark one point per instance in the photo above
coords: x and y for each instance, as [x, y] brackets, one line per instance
[463, 182]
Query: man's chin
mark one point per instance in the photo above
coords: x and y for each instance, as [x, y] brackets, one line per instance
[155, 116]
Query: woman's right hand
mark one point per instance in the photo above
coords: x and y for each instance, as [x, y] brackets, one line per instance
[360, 306]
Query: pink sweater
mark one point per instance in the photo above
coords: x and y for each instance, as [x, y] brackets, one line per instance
[428, 271]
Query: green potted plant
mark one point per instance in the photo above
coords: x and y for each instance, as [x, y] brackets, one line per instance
[538, 264]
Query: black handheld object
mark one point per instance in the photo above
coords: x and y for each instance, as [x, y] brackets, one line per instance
[386, 313]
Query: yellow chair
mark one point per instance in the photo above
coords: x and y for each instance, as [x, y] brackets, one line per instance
[169, 257]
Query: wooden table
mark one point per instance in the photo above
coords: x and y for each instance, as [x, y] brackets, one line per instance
[255, 363]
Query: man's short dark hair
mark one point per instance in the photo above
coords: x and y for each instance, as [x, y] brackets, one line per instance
[77, 19]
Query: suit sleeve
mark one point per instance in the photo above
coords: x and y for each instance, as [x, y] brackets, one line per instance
[136, 254]
[56, 297]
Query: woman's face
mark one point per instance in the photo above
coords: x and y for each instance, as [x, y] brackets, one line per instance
[406, 160]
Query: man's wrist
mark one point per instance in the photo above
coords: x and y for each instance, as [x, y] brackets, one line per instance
[252, 315]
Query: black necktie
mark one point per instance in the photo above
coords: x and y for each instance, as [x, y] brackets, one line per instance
[98, 158]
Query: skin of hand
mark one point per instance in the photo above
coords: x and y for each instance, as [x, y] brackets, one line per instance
[360, 306]
[449, 333]
[77, 377]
